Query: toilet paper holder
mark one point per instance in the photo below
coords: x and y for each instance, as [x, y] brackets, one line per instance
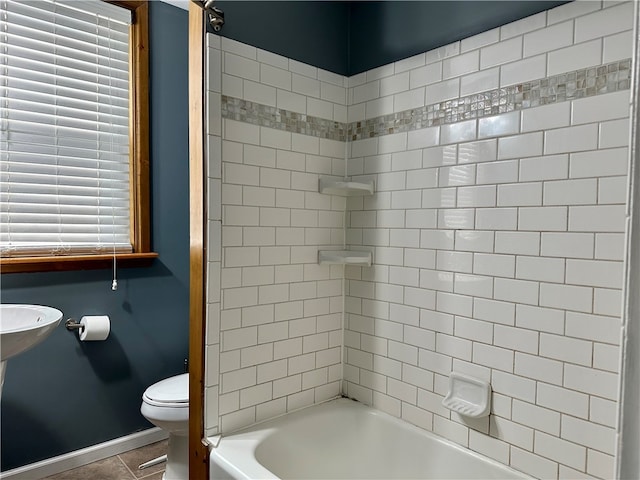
[73, 324]
[90, 328]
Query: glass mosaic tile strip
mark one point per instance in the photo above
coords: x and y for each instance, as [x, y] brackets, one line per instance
[280, 119]
[586, 82]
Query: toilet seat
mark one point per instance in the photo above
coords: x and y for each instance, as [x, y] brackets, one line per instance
[172, 392]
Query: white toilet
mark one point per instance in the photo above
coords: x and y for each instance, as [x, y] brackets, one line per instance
[166, 405]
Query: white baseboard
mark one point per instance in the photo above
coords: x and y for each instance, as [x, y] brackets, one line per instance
[91, 454]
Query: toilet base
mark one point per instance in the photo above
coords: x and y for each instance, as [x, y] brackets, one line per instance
[177, 458]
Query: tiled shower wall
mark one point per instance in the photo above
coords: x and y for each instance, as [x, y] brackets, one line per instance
[274, 334]
[497, 236]
[496, 231]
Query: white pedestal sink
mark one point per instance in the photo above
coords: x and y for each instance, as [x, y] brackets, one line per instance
[22, 327]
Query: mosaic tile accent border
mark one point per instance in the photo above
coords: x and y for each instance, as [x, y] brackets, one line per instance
[280, 119]
[586, 82]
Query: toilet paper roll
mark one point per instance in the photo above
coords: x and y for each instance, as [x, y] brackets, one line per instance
[96, 327]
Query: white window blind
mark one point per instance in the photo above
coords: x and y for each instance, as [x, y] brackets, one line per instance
[64, 136]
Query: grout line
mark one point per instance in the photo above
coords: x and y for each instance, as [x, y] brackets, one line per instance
[133, 477]
[150, 475]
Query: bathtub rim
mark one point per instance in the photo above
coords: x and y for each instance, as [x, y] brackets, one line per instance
[260, 434]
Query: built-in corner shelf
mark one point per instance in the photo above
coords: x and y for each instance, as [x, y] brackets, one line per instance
[468, 396]
[344, 257]
[331, 186]
[344, 188]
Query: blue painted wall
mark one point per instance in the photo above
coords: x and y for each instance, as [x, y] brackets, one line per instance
[64, 395]
[313, 32]
[355, 36]
[387, 31]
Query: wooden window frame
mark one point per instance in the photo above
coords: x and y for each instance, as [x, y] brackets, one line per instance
[139, 169]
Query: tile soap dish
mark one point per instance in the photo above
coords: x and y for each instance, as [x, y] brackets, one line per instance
[468, 396]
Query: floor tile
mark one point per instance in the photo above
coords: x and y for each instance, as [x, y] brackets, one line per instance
[108, 469]
[133, 458]
[154, 476]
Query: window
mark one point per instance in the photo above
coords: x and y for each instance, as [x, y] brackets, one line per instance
[74, 134]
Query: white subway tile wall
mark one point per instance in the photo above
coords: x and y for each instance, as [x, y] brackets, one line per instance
[213, 169]
[274, 332]
[497, 241]
[512, 294]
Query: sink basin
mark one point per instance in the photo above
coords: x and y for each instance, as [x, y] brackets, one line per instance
[23, 326]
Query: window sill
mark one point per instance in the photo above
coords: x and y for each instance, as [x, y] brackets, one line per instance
[80, 262]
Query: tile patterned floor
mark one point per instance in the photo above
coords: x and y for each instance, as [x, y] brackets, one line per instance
[120, 467]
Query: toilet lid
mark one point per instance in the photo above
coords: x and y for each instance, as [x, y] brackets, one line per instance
[170, 390]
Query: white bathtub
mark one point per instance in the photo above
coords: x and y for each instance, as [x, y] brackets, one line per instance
[343, 439]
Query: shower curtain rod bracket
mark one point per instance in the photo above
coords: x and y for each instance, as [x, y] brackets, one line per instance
[215, 15]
